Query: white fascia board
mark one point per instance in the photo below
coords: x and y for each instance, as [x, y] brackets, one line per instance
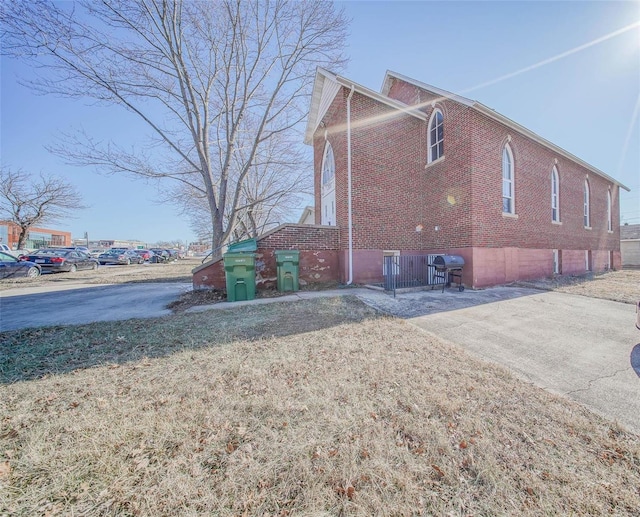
[493, 114]
[386, 86]
[316, 97]
[323, 76]
[409, 110]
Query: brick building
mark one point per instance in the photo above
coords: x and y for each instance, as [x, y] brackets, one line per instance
[417, 170]
[36, 237]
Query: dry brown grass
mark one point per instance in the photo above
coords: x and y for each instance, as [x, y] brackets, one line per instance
[179, 271]
[312, 408]
[619, 286]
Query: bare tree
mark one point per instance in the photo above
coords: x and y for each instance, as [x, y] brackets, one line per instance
[27, 202]
[223, 87]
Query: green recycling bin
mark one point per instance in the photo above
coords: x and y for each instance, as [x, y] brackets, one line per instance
[243, 246]
[288, 263]
[240, 272]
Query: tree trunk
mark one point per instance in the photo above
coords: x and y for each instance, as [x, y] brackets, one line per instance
[22, 237]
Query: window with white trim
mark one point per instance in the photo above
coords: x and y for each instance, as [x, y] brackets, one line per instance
[507, 180]
[609, 221]
[436, 136]
[390, 257]
[328, 165]
[555, 195]
[556, 262]
[587, 219]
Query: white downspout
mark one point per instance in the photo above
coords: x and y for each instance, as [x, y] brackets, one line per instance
[350, 281]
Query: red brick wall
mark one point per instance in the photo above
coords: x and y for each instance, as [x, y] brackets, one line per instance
[318, 247]
[395, 191]
[533, 227]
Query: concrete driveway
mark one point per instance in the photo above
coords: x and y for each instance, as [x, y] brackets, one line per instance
[583, 348]
[79, 304]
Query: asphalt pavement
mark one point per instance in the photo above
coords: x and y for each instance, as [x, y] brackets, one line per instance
[81, 303]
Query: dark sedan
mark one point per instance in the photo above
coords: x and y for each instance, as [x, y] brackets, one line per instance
[119, 256]
[11, 267]
[159, 255]
[145, 254]
[59, 259]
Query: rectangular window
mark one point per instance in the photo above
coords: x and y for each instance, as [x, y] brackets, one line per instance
[507, 195]
[587, 260]
[390, 257]
[556, 262]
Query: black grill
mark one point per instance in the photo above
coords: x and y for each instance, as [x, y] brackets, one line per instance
[449, 267]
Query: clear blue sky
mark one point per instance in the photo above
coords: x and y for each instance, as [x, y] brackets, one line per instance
[584, 102]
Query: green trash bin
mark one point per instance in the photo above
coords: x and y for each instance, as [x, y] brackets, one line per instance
[288, 263]
[248, 245]
[240, 272]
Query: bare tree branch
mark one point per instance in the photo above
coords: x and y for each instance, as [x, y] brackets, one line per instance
[27, 202]
[222, 86]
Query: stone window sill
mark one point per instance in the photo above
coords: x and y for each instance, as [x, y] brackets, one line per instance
[441, 159]
[509, 215]
[559, 223]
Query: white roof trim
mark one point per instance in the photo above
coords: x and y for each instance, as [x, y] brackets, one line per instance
[481, 108]
[321, 99]
[491, 113]
[386, 86]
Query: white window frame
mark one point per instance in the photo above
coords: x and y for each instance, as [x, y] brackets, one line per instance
[556, 262]
[509, 180]
[586, 205]
[328, 159]
[396, 266]
[433, 121]
[587, 262]
[609, 220]
[555, 195]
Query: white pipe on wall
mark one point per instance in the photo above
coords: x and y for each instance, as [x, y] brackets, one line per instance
[350, 281]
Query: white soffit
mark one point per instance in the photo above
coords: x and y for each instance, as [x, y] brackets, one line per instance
[325, 88]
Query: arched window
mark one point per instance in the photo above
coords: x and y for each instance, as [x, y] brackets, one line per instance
[328, 165]
[555, 195]
[507, 181]
[609, 221]
[587, 219]
[436, 136]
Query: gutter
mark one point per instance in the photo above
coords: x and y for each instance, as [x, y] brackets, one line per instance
[349, 209]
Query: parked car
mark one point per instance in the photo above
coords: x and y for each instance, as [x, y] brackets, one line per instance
[95, 253]
[84, 249]
[60, 259]
[11, 267]
[145, 254]
[120, 256]
[159, 255]
[173, 254]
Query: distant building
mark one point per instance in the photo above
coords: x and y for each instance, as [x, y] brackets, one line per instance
[630, 245]
[36, 237]
[121, 244]
[308, 216]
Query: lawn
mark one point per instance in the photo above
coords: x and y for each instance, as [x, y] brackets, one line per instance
[318, 407]
[179, 271]
[619, 286]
